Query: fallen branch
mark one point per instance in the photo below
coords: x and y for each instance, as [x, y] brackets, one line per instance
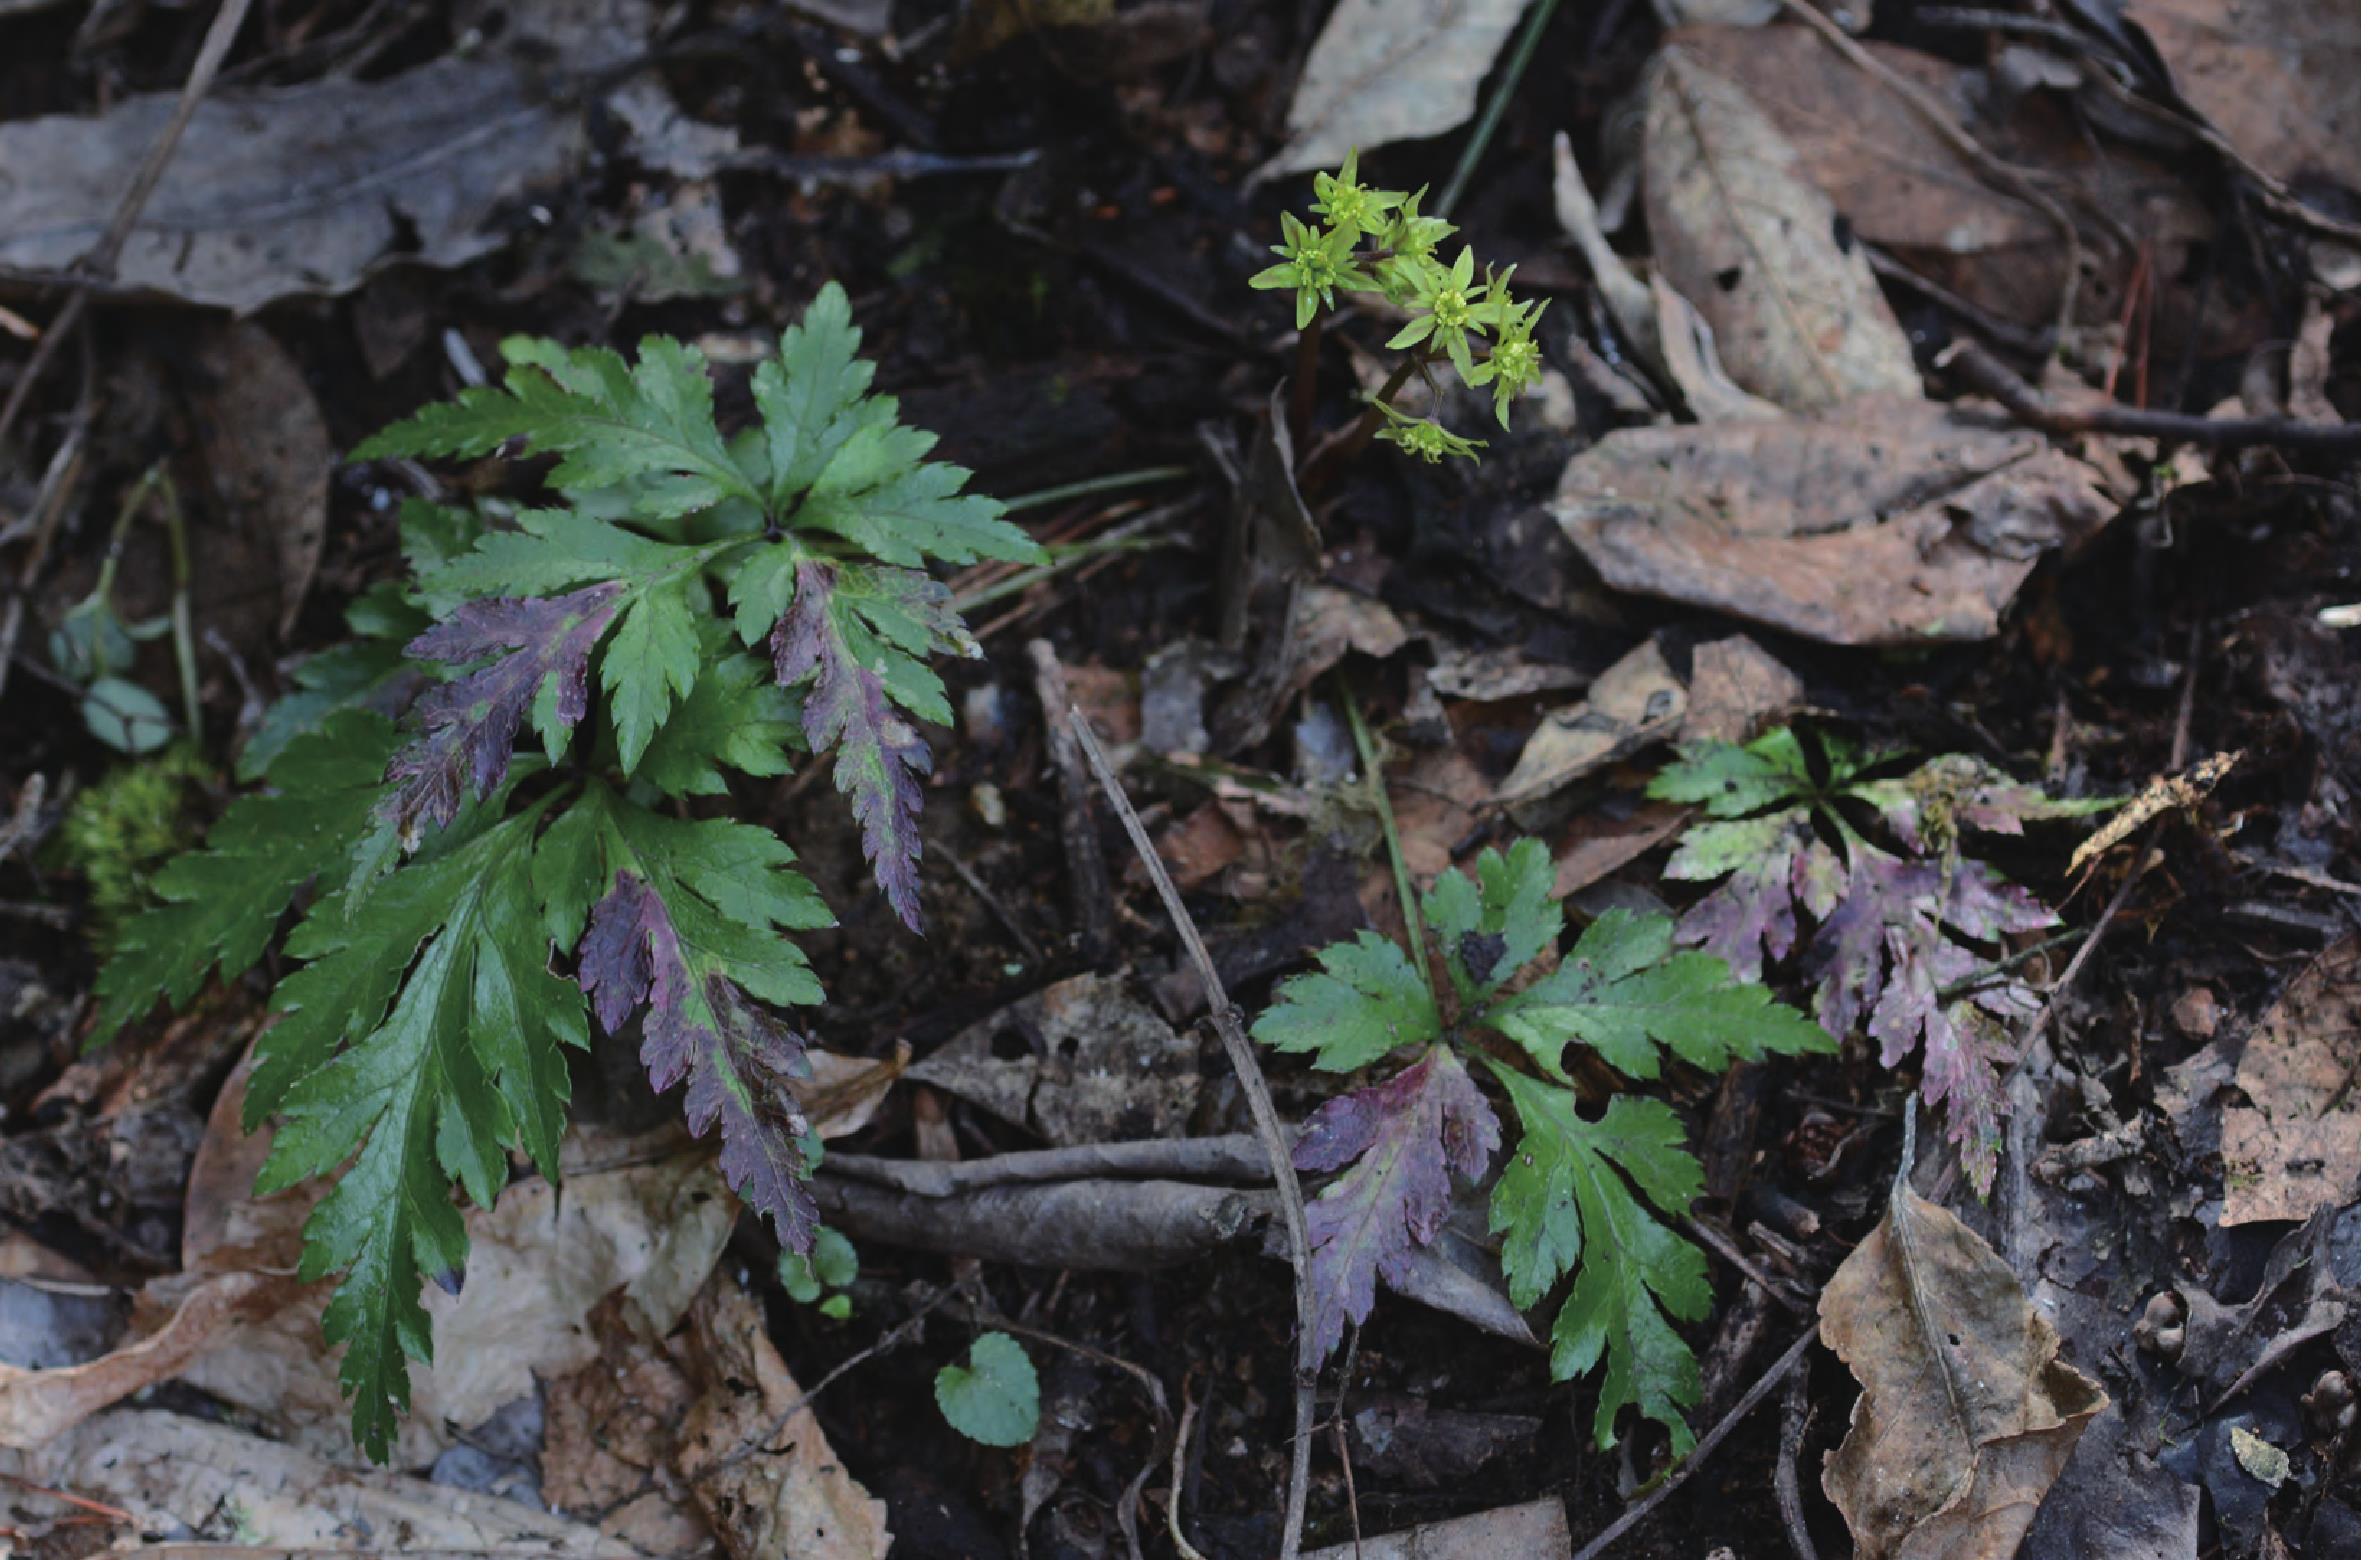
[1095, 1226]
[1270, 1130]
[1235, 1156]
[2034, 408]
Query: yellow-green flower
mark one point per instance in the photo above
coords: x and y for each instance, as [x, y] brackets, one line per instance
[1423, 437]
[1514, 362]
[1315, 262]
[1413, 235]
[1351, 207]
[1446, 300]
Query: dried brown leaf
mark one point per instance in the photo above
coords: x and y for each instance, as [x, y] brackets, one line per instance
[1737, 691]
[2296, 1145]
[769, 1490]
[1390, 70]
[226, 1491]
[1742, 232]
[1637, 701]
[288, 190]
[1095, 1064]
[1968, 1414]
[2279, 78]
[267, 450]
[1893, 522]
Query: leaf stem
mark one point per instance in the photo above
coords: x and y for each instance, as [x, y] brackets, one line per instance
[184, 635]
[1326, 460]
[1303, 380]
[1115, 482]
[1484, 128]
[1378, 796]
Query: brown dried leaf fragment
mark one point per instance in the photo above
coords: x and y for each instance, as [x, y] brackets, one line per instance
[1741, 231]
[1969, 1413]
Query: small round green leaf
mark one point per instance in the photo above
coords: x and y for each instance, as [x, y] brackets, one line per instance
[992, 1400]
[831, 1265]
[126, 716]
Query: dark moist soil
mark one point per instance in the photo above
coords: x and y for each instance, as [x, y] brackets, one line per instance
[1085, 315]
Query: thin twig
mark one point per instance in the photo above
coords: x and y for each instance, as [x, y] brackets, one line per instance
[1709, 1236]
[1081, 841]
[995, 907]
[1945, 1181]
[98, 265]
[1176, 1480]
[906, 1331]
[49, 506]
[1262, 1113]
[2035, 408]
[1603, 1541]
[1795, 1429]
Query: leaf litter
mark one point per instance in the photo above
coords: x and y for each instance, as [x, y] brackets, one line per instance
[1928, 968]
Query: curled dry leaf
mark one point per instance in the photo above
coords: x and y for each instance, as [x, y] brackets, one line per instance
[1390, 70]
[1636, 702]
[1892, 522]
[1968, 1414]
[1751, 242]
[2181, 792]
[1900, 183]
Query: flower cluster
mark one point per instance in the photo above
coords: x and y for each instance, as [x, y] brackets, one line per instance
[1378, 241]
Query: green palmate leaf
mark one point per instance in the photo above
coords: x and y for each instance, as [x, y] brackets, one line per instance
[634, 603]
[1490, 929]
[1624, 991]
[222, 903]
[691, 926]
[454, 1023]
[733, 717]
[1368, 1001]
[809, 395]
[651, 423]
[1568, 1200]
[1404, 1143]
[842, 465]
[652, 660]
[1891, 929]
[859, 678]
[992, 1399]
[1727, 781]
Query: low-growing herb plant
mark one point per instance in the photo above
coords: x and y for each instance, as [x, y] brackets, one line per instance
[691, 602]
[1378, 241]
[1908, 941]
[1578, 1194]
